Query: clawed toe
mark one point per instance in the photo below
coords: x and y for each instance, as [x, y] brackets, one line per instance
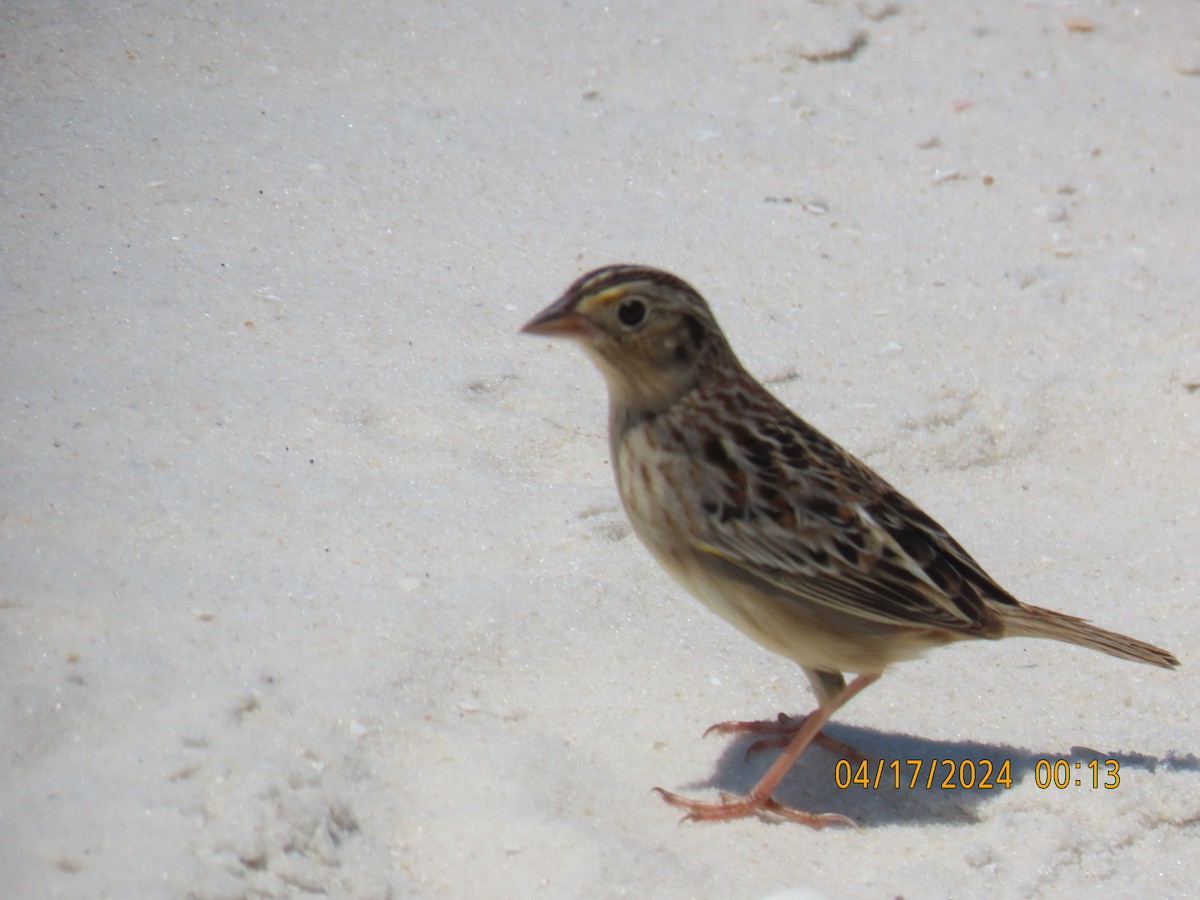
[782, 725]
[731, 807]
[780, 732]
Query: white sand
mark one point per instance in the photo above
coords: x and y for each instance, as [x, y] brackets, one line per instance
[312, 576]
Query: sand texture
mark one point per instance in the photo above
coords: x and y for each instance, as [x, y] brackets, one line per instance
[313, 577]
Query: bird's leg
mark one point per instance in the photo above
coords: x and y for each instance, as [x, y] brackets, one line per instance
[779, 733]
[759, 801]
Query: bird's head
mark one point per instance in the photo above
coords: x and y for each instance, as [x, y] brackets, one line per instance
[650, 333]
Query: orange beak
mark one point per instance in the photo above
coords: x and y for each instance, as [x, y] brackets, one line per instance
[559, 319]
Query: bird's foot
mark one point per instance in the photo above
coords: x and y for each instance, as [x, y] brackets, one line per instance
[731, 807]
[780, 732]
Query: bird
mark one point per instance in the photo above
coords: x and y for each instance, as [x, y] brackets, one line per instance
[774, 526]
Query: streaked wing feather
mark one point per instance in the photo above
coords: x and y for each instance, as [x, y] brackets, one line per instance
[878, 558]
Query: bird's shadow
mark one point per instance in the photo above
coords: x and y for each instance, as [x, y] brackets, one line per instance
[820, 782]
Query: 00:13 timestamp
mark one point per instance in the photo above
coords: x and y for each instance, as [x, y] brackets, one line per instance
[1059, 773]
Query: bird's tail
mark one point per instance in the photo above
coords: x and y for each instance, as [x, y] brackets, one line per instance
[1033, 621]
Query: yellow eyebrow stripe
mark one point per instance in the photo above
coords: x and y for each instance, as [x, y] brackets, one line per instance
[603, 298]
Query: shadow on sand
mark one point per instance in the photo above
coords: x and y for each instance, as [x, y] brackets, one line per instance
[812, 785]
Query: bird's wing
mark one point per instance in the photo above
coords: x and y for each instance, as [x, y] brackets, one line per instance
[878, 558]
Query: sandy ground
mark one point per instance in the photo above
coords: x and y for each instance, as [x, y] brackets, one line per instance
[312, 575]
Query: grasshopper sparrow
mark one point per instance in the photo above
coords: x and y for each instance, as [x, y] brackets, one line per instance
[771, 524]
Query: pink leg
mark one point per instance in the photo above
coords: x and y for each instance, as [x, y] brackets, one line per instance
[759, 800]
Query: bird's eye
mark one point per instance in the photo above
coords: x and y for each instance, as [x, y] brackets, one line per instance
[631, 313]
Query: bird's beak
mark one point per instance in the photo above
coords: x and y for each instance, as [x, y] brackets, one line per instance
[559, 319]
